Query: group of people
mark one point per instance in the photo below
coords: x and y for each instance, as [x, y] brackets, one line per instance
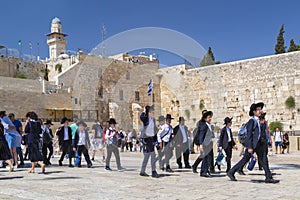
[158, 142]
[165, 139]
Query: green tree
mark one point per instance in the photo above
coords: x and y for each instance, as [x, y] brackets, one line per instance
[279, 47]
[274, 125]
[208, 59]
[293, 46]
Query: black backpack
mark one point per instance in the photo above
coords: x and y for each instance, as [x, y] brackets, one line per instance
[46, 137]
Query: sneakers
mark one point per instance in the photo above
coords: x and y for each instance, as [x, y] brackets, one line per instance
[108, 168]
[144, 174]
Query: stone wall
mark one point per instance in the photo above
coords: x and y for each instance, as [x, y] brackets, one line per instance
[229, 89]
[21, 96]
[10, 67]
[98, 84]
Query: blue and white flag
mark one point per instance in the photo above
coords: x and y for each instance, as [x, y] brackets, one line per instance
[150, 87]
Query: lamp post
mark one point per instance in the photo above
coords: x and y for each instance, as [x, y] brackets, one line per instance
[6, 54]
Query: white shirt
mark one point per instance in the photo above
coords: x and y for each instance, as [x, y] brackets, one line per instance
[184, 133]
[150, 128]
[278, 136]
[228, 133]
[258, 123]
[164, 133]
[66, 133]
[209, 126]
[109, 136]
[82, 139]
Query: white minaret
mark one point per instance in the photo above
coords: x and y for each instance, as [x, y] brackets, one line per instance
[56, 39]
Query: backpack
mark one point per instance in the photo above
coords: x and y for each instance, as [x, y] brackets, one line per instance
[46, 137]
[242, 135]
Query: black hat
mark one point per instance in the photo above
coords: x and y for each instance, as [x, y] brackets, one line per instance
[227, 120]
[205, 115]
[63, 120]
[112, 121]
[254, 106]
[81, 123]
[168, 116]
[161, 118]
[262, 116]
[181, 119]
[48, 122]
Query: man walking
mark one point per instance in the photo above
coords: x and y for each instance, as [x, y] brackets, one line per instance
[254, 143]
[181, 143]
[227, 142]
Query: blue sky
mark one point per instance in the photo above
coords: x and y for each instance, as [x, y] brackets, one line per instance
[234, 29]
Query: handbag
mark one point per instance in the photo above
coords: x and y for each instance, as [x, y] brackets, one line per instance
[221, 160]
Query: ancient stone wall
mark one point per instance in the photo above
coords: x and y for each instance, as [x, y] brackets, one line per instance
[229, 89]
[21, 96]
[103, 88]
[10, 67]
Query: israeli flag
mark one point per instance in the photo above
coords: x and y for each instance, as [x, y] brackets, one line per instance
[150, 87]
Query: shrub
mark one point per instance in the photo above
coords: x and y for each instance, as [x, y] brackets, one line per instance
[21, 75]
[274, 125]
[290, 102]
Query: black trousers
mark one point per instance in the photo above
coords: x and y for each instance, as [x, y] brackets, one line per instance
[200, 158]
[46, 147]
[81, 149]
[66, 148]
[228, 152]
[206, 162]
[261, 148]
[182, 149]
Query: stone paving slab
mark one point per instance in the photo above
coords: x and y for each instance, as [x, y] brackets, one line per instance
[96, 183]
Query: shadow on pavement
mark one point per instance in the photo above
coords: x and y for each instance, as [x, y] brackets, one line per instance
[11, 177]
[61, 177]
[52, 172]
[286, 166]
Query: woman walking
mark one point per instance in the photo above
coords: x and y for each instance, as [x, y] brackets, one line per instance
[4, 149]
[33, 130]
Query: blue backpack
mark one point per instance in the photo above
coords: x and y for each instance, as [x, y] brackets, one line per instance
[242, 135]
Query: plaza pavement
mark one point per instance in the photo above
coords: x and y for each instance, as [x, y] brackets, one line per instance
[96, 183]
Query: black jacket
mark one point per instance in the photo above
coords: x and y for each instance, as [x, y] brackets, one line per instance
[252, 134]
[223, 142]
[76, 140]
[60, 135]
[178, 139]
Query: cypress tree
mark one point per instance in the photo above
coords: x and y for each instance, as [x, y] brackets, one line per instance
[279, 47]
[208, 59]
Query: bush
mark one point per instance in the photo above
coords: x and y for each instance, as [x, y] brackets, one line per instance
[274, 125]
[290, 102]
[21, 75]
